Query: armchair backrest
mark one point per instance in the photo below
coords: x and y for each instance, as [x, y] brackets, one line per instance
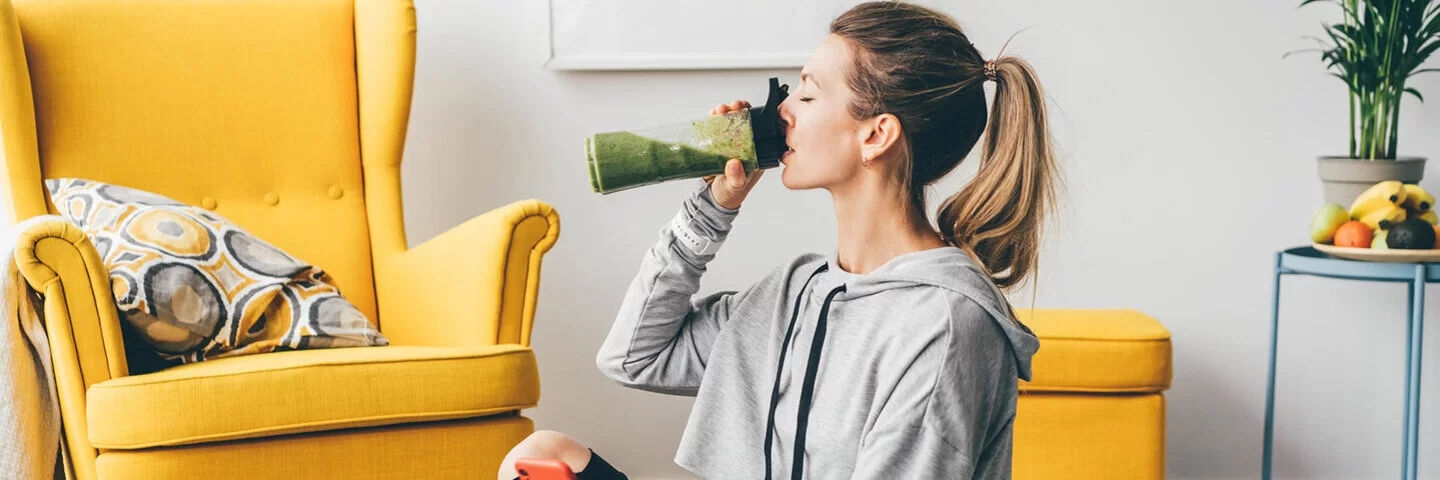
[285, 117]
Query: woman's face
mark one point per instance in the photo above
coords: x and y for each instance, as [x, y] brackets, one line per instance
[824, 138]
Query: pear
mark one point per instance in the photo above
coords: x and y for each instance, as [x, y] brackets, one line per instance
[1325, 221]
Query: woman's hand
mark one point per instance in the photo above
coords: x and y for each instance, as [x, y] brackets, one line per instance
[730, 189]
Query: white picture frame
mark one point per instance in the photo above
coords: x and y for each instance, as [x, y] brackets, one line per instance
[601, 35]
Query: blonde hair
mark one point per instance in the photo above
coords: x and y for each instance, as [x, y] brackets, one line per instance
[916, 64]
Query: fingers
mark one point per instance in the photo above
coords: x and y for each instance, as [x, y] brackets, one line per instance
[730, 190]
[725, 108]
[735, 174]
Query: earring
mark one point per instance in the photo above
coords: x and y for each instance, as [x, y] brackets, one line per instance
[865, 162]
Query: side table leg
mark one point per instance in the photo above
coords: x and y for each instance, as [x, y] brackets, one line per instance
[1414, 340]
[1270, 379]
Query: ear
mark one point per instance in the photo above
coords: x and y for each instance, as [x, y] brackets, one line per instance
[879, 136]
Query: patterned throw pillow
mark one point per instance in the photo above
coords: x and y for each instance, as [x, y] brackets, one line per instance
[197, 287]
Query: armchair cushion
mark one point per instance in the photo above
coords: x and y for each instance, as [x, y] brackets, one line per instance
[308, 391]
[195, 286]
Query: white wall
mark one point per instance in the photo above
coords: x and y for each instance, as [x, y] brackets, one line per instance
[1188, 147]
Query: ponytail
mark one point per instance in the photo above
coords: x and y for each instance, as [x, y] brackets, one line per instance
[998, 216]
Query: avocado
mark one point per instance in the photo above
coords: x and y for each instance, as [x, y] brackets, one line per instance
[1411, 234]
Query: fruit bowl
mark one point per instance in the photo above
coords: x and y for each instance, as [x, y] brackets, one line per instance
[1386, 223]
[1381, 255]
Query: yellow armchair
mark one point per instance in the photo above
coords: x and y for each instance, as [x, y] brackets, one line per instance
[289, 119]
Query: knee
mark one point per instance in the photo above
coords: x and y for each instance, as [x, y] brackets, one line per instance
[546, 444]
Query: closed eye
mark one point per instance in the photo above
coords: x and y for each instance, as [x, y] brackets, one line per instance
[806, 99]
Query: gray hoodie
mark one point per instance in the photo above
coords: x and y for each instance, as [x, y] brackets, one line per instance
[906, 372]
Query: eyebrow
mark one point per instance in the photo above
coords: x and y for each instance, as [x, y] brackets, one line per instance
[811, 78]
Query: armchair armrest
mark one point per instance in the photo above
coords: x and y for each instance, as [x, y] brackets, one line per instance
[86, 346]
[476, 284]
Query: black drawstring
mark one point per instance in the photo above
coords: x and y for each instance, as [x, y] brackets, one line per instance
[802, 421]
[784, 347]
[807, 391]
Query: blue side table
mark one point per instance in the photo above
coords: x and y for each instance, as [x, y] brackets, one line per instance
[1309, 261]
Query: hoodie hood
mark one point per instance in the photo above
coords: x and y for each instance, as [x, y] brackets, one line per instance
[949, 268]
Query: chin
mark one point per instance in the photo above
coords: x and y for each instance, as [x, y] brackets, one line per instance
[799, 175]
[787, 177]
[794, 179]
[785, 180]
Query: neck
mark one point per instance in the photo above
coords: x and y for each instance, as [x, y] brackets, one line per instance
[873, 230]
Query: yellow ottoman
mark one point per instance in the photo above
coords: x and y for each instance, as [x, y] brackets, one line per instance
[1095, 408]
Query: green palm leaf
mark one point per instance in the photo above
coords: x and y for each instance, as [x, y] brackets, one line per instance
[1375, 49]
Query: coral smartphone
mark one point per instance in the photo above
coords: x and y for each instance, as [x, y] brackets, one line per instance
[543, 469]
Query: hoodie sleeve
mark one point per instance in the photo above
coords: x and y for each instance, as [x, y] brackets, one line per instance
[951, 413]
[661, 338]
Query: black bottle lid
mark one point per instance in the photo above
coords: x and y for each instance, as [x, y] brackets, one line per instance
[768, 131]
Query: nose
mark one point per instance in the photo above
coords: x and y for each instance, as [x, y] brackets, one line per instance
[787, 117]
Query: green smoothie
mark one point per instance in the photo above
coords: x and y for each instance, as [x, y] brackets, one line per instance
[623, 160]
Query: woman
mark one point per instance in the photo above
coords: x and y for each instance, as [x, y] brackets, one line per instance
[897, 357]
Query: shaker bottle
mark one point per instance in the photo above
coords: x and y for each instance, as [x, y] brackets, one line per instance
[628, 159]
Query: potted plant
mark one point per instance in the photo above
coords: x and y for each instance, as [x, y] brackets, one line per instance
[1377, 47]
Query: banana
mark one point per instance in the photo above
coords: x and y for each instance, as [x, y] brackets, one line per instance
[1384, 218]
[1429, 216]
[1366, 205]
[1378, 196]
[1417, 199]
